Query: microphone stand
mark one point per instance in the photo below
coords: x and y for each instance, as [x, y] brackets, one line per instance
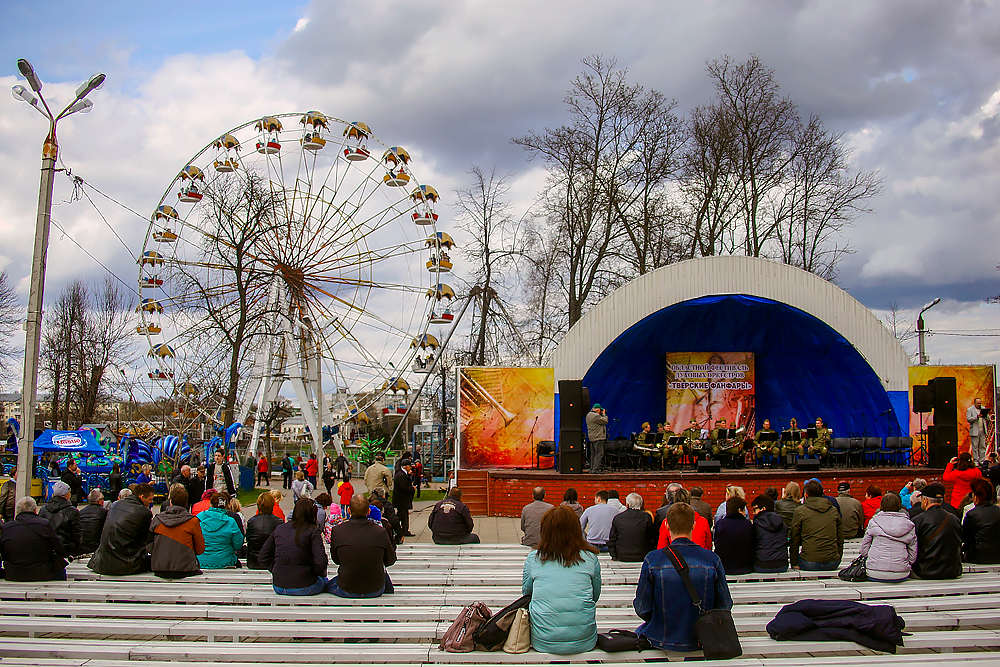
[531, 442]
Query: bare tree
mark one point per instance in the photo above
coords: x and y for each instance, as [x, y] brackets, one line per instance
[9, 321]
[544, 321]
[106, 342]
[274, 415]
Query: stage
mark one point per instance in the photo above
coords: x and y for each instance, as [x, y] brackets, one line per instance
[503, 492]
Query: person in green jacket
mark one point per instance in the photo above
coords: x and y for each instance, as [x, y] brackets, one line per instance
[817, 534]
[223, 537]
[563, 577]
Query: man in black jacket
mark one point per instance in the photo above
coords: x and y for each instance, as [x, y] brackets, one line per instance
[220, 475]
[631, 536]
[71, 475]
[402, 496]
[363, 550]
[123, 543]
[65, 518]
[29, 548]
[92, 518]
[939, 538]
[186, 479]
[451, 521]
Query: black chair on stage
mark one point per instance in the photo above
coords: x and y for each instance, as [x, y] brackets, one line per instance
[897, 450]
[544, 448]
[856, 451]
[873, 444]
[839, 448]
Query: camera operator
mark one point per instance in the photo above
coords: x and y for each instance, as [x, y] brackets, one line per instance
[597, 433]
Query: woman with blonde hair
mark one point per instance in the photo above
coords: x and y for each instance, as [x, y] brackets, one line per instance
[278, 512]
[301, 488]
[563, 577]
[731, 492]
[790, 499]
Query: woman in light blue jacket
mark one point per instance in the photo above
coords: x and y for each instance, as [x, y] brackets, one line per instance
[563, 578]
[223, 537]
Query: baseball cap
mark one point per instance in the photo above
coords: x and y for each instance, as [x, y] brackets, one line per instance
[60, 488]
[844, 486]
[597, 406]
[934, 491]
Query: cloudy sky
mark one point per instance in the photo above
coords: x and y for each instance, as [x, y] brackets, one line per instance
[913, 85]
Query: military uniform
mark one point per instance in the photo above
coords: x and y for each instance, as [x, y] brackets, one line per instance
[820, 445]
[793, 447]
[762, 449]
[669, 455]
[693, 445]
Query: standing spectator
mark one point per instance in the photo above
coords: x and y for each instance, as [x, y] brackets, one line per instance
[572, 500]
[92, 518]
[734, 538]
[405, 459]
[563, 577]
[362, 550]
[817, 531]
[872, 503]
[906, 493]
[939, 537]
[701, 534]
[961, 471]
[377, 474]
[65, 518]
[196, 489]
[596, 521]
[700, 506]
[220, 476]
[531, 517]
[343, 467]
[790, 501]
[402, 497]
[631, 536]
[852, 512]
[115, 480]
[981, 529]
[661, 598]
[301, 488]
[263, 471]
[614, 500]
[72, 477]
[8, 497]
[323, 501]
[451, 521]
[122, 550]
[259, 528]
[287, 468]
[29, 548]
[890, 543]
[223, 537]
[295, 555]
[770, 537]
[312, 469]
[597, 433]
[176, 539]
[418, 475]
[329, 477]
[346, 492]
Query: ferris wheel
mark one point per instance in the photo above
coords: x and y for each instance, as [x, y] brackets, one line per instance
[295, 247]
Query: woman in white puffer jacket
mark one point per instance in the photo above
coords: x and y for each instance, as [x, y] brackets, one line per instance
[890, 542]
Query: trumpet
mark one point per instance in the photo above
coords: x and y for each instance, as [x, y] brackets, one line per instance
[473, 392]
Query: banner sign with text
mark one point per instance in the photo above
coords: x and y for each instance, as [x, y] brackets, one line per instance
[708, 386]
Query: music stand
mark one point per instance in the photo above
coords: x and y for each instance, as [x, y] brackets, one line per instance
[811, 433]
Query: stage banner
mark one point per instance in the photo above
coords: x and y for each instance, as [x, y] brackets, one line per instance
[503, 413]
[971, 382]
[708, 386]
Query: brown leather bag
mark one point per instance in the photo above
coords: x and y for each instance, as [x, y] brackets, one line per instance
[459, 637]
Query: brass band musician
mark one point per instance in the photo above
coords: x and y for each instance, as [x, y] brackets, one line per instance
[693, 443]
[723, 446]
[820, 445]
[669, 453]
[792, 441]
[764, 448]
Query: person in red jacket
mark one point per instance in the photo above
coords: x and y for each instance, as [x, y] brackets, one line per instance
[346, 491]
[263, 470]
[702, 533]
[312, 469]
[872, 502]
[961, 471]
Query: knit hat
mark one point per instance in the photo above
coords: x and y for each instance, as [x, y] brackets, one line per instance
[60, 488]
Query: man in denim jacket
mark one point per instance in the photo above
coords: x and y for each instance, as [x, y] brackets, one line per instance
[662, 600]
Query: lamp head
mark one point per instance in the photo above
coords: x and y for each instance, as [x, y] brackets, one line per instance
[21, 93]
[93, 83]
[28, 72]
[83, 106]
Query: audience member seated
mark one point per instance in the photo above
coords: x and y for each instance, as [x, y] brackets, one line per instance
[906, 493]
[770, 537]
[662, 600]
[981, 528]
[278, 512]
[960, 471]
[92, 518]
[631, 536]
[852, 512]
[563, 577]
[734, 538]
[614, 500]
[176, 538]
[817, 533]
[65, 518]
[702, 533]
[596, 521]
[122, 550]
[451, 521]
[259, 528]
[571, 500]
[872, 503]
[223, 537]
[890, 542]
[295, 555]
[362, 550]
[531, 516]
[661, 512]
[204, 503]
[388, 515]
[791, 500]
[700, 506]
[29, 547]
[323, 502]
[731, 492]
[235, 509]
[939, 537]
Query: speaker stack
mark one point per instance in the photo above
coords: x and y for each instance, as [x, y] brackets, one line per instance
[942, 437]
[571, 412]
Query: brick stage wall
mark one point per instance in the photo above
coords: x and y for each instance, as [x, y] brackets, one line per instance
[506, 492]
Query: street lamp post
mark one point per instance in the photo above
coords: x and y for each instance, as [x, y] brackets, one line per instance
[922, 359]
[33, 325]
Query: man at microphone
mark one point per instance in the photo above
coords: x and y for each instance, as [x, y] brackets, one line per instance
[597, 433]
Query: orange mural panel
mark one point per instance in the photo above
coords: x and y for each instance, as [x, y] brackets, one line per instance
[503, 413]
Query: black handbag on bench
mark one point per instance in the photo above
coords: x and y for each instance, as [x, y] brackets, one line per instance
[714, 628]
